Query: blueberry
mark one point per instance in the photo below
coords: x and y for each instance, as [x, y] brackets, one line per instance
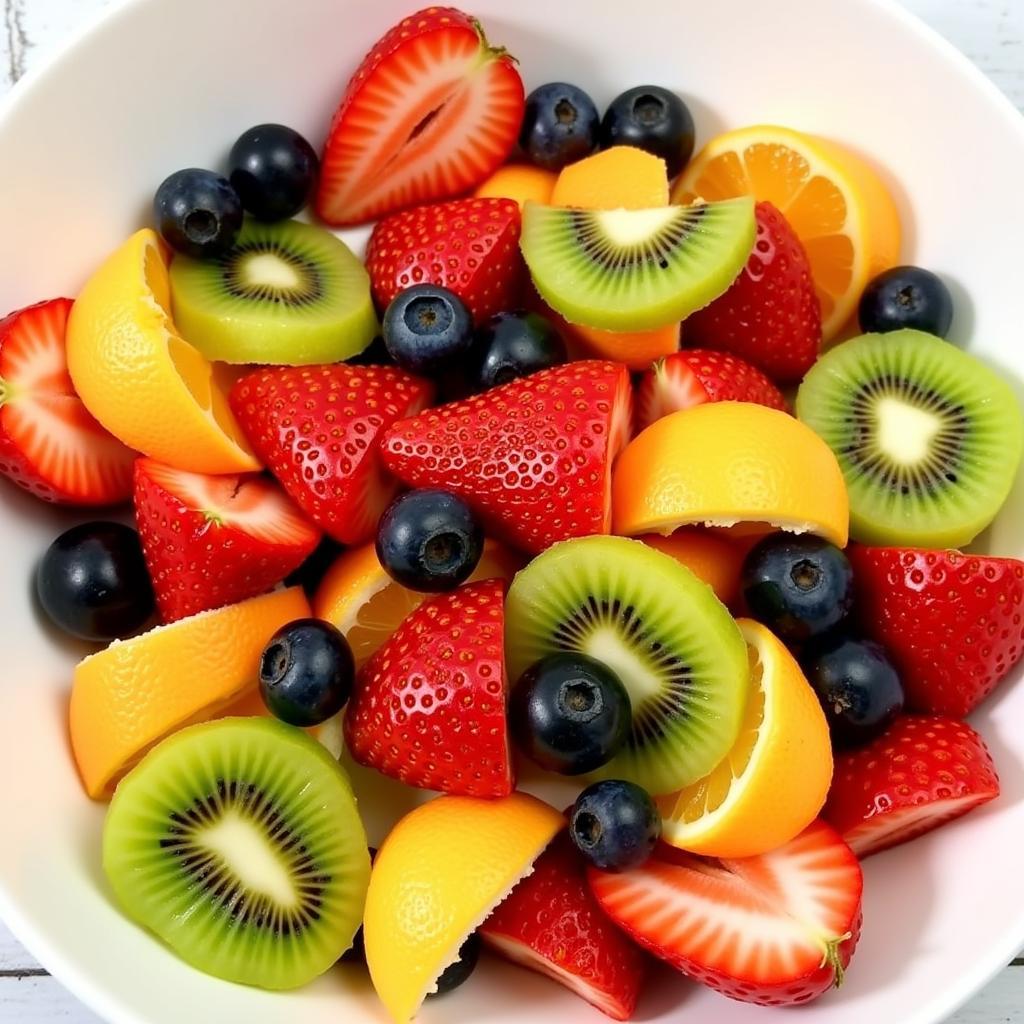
[273, 169]
[455, 974]
[560, 125]
[306, 672]
[512, 345]
[569, 713]
[429, 540]
[427, 329]
[198, 213]
[906, 297]
[653, 119]
[93, 582]
[857, 685]
[311, 573]
[615, 825]
[799, 587]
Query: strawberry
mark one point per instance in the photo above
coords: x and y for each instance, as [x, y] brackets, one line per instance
[551, 923]
[533, 457]
[215, 540]
[953, 624]
[50, 445]
[432, 111]
[776, 930]
[923, 772]
[317, 429]
[770, 316]
[428, 708]
[699, 375]
[470, 246]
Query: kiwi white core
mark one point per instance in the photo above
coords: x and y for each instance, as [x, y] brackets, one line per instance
[265, 270]
[630, 227]
[605, 644]
[905, 432]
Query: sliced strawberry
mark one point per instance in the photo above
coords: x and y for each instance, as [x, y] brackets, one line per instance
[551, 923]
[470, 246]
[428, 708]
[49, 443]
[318, 428]
[432, 111]
[210, 541]
[532, 457]
[923, 772]
[695, 376]
[777, 930]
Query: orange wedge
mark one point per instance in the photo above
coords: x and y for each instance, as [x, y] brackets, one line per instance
[520, 182]
[710, 558]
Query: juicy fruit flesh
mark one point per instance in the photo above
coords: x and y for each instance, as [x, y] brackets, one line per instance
[621, 177]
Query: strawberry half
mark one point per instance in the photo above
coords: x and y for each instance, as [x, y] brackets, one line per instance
[776, 930]
[771, 315]
[695, 376]
[317, 429]
[210, 541]
[470, 246]
[923, 772]
[428, 708]
[953, 624]
[50, 445]
[432, 111]
[551, 923]
[532, 457]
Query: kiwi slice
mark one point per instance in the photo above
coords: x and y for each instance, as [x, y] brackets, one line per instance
[636, 270]
[670, 640]
[238, 843]
[287, 293]
[928, 438]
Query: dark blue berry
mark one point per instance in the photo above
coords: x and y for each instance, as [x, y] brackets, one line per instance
[429, 540]
[306, 672]
[615, 825]
[799, 587]
[273, 169]
[512, 345]
[653, 119]
[311, 573]
[858, 687]
[906, 297]
[560, 125]
[569, 713]
[455, 974]
[427, 329]
[198, 213]
[93, 583]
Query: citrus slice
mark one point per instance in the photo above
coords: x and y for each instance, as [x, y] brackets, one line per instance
[442, 870]
[139, 377]
[521, 182]
[774, 781]
[725, 463]
[710, 558]
[835, 202]
[367, 605]
[135, 692]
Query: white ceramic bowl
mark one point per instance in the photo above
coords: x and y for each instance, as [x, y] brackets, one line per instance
[161, 84]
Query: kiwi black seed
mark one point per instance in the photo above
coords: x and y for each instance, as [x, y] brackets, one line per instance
[660, 629]
[238, 843]
[928, 437]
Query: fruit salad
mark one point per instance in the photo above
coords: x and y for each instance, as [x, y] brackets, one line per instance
[611, 461]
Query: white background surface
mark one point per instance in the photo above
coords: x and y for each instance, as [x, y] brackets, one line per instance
[990, 32]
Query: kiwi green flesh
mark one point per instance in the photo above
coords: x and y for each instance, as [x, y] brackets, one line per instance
[636, 270]
[238, 843]
[670, 640]
[928, 437]
[287, 293]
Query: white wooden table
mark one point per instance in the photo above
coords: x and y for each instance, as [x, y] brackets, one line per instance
[990, 32]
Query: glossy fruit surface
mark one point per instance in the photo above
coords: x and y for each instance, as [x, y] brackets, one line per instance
[615, 825]
[906, 297]
[560, 125]
[652, 119]
[198, 213]
[272, 168]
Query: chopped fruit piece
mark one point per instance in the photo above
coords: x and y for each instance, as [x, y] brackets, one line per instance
[925, 771]
[273, 170]
[712, 559]
[776, 930]
[49, 443]
[552, 924]
[950, 622]
[906, 297]
[532, 458]
[215, 540]
[427, 330]
[652, 119]
[560, 125]
[615, 825]
[318, 427]
[433, 110]
[415, 719]
[521, 183]
[621, 178]
[513, 345]
[198, 213]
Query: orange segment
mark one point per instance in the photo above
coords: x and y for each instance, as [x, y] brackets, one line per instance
[622, 177]
[520, 182]
[135, 692]
[709, 557]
